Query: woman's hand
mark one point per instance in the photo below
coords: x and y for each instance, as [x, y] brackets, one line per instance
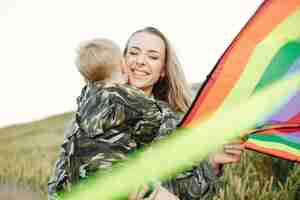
[160, 193]
[230, 153]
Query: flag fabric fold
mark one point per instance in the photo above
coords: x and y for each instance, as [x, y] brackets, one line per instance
[266, 50]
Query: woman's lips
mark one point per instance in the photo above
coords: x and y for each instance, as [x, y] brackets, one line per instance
[138, 73]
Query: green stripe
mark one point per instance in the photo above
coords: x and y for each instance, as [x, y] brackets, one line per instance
[274, 139]
[280, 65]
[289, 139]
[263, 54]
[276, 146]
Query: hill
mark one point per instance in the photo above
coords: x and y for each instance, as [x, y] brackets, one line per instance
[28, 152]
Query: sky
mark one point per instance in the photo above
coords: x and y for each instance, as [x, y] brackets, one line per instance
[39, 38]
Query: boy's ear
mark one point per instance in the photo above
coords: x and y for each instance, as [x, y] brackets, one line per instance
[124, 67]
[124, 70]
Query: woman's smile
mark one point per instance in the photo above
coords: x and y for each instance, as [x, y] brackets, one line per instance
[139, 72]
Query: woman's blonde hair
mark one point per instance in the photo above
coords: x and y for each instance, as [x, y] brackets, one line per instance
[173, 88]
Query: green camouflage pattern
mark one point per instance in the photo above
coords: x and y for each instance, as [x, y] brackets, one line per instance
[111, 122]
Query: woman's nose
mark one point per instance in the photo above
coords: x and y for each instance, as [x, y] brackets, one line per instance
[141, 60]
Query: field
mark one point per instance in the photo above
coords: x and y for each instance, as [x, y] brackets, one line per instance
[28, 152]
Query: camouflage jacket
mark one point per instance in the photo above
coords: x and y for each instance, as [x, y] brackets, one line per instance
[112, 121]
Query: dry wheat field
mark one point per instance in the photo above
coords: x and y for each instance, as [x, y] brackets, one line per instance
[28, 152]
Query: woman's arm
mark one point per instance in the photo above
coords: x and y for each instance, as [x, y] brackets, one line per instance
[200, 181]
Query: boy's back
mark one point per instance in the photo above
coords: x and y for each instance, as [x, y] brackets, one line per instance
[112, 120]
[105, 109]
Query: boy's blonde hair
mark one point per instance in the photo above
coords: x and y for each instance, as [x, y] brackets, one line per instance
[97, 59]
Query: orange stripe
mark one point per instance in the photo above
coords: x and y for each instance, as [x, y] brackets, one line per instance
[206, 89]
[284, 128]
[278, 153]
[273, 131]
[268, 16]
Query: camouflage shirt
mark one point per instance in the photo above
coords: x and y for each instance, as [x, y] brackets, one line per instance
[112, 121]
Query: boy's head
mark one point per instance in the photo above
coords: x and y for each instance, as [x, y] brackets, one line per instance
[99, 59]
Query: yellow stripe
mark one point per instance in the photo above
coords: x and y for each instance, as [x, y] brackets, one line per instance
[263, 54]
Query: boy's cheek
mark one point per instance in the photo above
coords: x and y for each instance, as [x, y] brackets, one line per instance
[125, 78]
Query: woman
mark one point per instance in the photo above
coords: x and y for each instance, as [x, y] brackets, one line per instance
[152, 66]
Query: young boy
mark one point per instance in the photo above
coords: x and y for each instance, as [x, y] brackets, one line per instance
[100, 62]
[112, 118]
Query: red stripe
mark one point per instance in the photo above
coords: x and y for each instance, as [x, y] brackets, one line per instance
[295, 119]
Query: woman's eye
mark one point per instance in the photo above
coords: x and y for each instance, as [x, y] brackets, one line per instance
[154, 57]
[132, 53]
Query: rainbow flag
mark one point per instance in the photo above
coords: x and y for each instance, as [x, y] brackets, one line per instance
[267, 49]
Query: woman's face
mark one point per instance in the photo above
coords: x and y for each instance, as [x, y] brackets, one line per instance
[145, 60]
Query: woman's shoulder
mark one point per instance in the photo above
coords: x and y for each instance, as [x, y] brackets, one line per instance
[168, 111]
[165, 106]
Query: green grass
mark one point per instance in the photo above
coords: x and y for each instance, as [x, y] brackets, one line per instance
[28, 152]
